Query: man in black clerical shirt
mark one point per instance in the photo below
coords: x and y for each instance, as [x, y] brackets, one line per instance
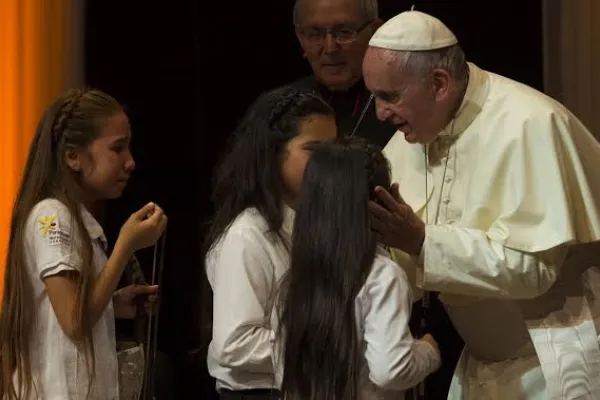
[334, 35]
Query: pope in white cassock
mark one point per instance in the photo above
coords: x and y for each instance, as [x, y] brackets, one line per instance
[497, 207]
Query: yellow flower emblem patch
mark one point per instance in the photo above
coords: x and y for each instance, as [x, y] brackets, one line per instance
[48, 223]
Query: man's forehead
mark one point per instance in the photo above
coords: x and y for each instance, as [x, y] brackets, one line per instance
[376, 58]
[381, 68]
[329, 11]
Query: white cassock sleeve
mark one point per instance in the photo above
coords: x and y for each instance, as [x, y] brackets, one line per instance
[465, 261]
[531, 197]
[395, 359]
[241, 289]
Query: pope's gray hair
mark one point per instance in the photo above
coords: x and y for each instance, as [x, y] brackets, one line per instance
[368, 9]
[422, 63]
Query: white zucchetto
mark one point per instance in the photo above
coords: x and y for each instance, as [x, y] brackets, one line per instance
[413, 31]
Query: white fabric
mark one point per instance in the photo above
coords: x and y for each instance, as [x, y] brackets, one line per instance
[59, 369]
[512, 178]
[243, 269]
[413, 31]
[393, 360]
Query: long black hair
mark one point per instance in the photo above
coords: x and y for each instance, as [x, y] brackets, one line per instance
[249, 174]
[74, 121]
[333, 249]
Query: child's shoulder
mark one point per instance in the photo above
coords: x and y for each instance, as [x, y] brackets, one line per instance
[50, 205]
[384, 268]
[249, 222]
[249, 228]
[386, 280]
[49, 215]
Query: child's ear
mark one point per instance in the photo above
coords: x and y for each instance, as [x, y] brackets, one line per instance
[73, 159]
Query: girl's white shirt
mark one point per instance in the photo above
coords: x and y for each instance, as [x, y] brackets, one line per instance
[244, 269]
[59, 366]
[393, 361]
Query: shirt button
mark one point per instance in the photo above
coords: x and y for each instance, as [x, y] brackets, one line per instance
[448, 179]
[446, 201]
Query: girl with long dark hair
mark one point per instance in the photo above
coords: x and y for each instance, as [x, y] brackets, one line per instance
[57, 327]
[254, 196]
[343, 307]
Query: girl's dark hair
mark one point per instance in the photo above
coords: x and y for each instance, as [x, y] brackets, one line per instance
[72, 122]
[249, 174]
[333, 249]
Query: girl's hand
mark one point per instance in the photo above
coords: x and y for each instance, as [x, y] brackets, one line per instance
[143, 228]
[431, 341]
[125, 300]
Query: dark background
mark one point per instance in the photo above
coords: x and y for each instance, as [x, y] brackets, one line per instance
[187, 69]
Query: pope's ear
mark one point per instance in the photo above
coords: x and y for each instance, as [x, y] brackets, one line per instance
[441, 83]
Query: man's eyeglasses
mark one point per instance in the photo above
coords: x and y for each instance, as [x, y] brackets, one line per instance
[317, 36]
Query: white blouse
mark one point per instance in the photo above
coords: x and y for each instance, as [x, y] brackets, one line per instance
[58, 366]
[393, 360]
[243, 270]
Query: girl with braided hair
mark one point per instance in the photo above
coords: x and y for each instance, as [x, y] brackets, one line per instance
[57, 337]
[247, 243]
[341, 314]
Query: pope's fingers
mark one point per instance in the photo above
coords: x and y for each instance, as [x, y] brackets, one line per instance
[388, 200]
[378, 211]
[377, 225]
[395, 191]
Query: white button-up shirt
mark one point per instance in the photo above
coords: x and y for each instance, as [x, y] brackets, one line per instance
[393, 360]
[58, 367]
[243, 269]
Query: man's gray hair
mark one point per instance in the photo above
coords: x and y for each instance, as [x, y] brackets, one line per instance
[368, 9]
[422, 63]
